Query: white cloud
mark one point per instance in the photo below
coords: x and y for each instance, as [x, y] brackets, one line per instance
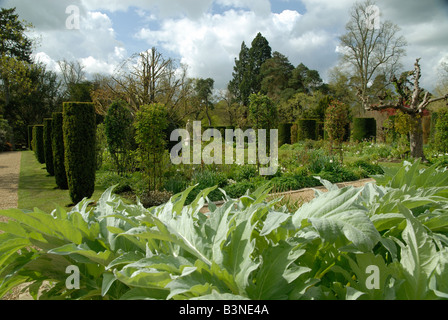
[209, 45]
[259, 7]
[94, 44]
[207, 34]
[165, 8]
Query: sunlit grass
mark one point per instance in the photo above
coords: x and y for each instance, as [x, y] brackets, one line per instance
[37, 189]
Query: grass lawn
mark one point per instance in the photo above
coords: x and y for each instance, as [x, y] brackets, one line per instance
[38, 190]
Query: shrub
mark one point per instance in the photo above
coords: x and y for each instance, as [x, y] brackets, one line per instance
[432, 135]
[441, 134]
[245, 172]
[389, 128]
[239, 189]
[79, 128]
[263, 112]
[118, 130]
[58, 151]
[284, 134]
[368, 168]
[336, 120]
[294, 129]
[364, 129]
[319, 161]
[175, 184]
[150, 123]
[5, 132]
[207, 179]
[38, 137]
[306, 129]
[48, 148]
[340, 174]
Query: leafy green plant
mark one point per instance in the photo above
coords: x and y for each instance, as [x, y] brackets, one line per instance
[381, 241]
[150, 123]
[336, 120]
[441, 132]
[245, 172]
[119, 134]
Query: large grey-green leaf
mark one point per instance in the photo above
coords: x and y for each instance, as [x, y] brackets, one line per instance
[274, 276]
[419, 258]
[338, 214]
[238, 250]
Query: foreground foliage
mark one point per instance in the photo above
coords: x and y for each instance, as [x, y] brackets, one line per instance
[381, 241]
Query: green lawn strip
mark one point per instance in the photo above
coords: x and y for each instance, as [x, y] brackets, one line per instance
[38, 190]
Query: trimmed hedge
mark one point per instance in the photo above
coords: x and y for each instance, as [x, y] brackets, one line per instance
[38, 143]
[284, 134]
[441, 134]
[30, 137]
[79, 128]
[294, 129]
[363, 128]
[306, 129]
[48, 148]
[432, 135]
[58, 151]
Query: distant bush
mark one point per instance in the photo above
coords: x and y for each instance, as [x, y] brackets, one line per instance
[306, 129]
[364, 129]
[150, 124]
[239, 189]
[294, 129]
[284, 133]
[119, 133]
[207, 179]
[367, 167]
[441, 134]
[245, 172]
[5, 131]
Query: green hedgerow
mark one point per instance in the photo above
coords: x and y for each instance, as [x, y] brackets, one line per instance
[79, 127]
[58, 151]
[48, 147]
[38, 143]
[441, 135]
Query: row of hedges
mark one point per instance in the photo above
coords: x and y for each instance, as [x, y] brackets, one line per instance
[65, 143]
[312, 129]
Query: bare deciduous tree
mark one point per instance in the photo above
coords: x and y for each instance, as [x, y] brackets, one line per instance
[147, 77]
[370, 49]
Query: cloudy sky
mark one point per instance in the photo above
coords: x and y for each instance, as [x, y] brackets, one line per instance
[207, 34]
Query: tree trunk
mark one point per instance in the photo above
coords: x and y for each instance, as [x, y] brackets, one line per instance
[416, 137]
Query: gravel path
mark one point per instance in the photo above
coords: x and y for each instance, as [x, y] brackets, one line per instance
[9, 186]
[304, 195]
[9, 179]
